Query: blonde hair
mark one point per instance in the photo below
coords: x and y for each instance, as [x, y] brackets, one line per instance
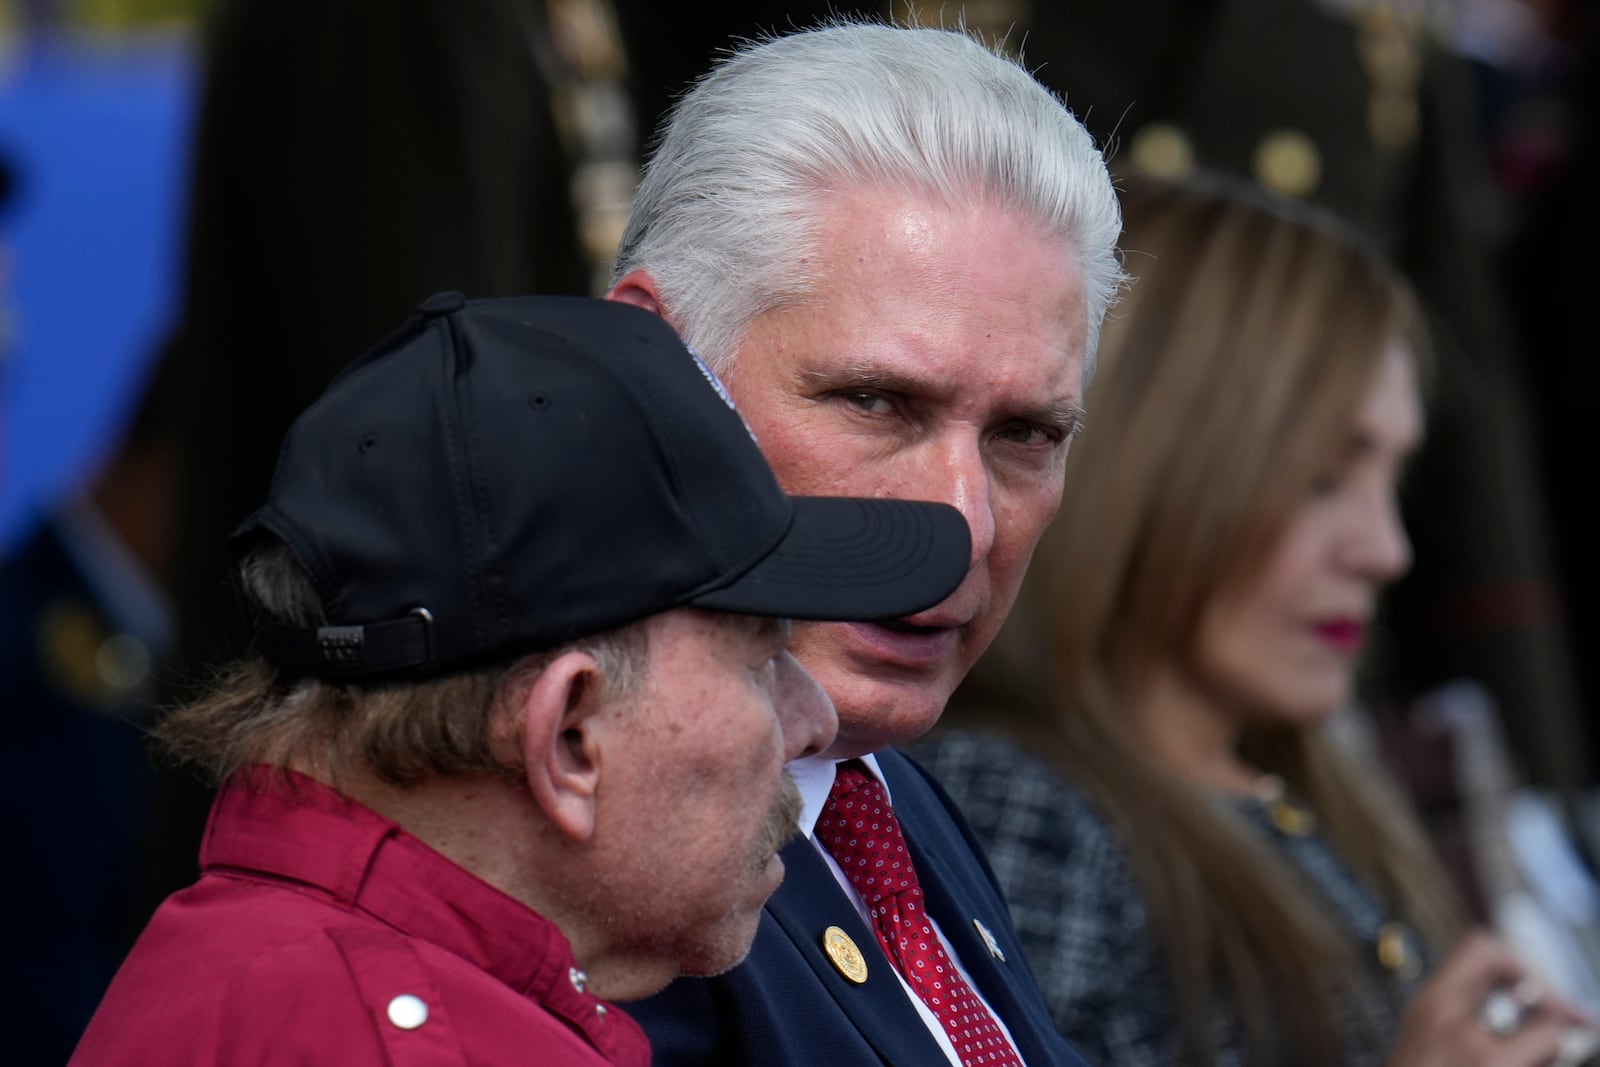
[1228, 378]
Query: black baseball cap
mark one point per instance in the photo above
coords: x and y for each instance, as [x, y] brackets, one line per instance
[502, 476]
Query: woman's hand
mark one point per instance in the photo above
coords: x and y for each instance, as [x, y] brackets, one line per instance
[1445, 1025]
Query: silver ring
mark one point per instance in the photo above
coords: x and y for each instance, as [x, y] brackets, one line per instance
[1501, 1012]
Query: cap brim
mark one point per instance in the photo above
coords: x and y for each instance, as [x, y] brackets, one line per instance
[850, 559]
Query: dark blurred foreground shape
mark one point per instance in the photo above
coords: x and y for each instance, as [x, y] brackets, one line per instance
[1548, 156]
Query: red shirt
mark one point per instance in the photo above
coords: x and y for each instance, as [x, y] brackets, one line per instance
[321, 932]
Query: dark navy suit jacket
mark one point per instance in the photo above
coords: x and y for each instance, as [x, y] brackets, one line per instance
[788, 1003]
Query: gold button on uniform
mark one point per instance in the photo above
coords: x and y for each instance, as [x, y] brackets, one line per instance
[1390, 48]
[85, 660]
[1162, 150]
[1396, 953]
[1288, 163]
[844, 954]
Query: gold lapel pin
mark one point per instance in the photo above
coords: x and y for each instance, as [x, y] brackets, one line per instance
[989, 941]
[844, 954]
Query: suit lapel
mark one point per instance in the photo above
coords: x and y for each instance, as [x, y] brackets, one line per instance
[809, 902]
[958, 895]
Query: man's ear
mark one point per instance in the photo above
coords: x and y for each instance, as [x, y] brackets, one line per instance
[638, 287]
[561, 741]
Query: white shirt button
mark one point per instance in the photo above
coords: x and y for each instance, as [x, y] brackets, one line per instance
[408, 1012]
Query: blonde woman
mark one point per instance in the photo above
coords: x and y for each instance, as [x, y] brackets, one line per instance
[1198, 874]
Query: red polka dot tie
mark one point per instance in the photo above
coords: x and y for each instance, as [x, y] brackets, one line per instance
[861, 831]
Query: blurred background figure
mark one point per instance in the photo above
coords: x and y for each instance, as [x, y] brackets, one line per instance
[1369, 108]
[86, 473]
[340, 162]
[1389, 113]
[670, 45]
[351, 159]
[85, 623]
[90, 263]
[1199, 871]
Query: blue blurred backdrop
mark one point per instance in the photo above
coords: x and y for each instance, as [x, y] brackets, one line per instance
[95, 129]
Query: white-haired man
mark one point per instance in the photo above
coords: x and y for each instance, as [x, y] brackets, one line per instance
[897, 248]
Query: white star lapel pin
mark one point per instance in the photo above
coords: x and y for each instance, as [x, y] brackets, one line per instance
[989, 942]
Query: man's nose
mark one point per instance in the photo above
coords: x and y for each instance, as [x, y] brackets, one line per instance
[963, 481]
[805, 713]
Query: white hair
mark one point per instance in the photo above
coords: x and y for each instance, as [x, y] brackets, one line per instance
[723, 218]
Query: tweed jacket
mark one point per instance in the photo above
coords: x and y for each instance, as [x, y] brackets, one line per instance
[1084, 925]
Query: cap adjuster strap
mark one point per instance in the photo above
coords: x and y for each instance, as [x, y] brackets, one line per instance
[349, 651]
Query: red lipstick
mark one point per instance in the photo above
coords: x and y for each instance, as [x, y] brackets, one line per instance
[1343, 635]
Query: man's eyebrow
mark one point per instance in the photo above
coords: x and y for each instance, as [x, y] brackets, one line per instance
[1065, 415]
[860, 374]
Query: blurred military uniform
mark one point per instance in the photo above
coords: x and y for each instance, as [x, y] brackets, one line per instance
[81, 629]
[1354, 104]
[671, 45]
[352, 158]
[82, 624]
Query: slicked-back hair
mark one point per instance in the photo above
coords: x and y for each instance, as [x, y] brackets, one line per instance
[724, 216]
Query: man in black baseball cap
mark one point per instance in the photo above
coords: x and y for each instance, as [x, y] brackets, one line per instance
[512, 739]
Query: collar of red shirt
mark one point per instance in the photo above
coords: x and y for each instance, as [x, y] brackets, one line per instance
[284, 825]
